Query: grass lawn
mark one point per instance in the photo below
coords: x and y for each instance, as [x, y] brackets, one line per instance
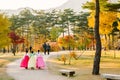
[4, 60]
[110, 63]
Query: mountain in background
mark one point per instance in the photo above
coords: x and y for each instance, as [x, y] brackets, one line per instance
[10, 12]
[73, 4]
[76, 5]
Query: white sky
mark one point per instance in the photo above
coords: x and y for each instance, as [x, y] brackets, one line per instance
[35, 4]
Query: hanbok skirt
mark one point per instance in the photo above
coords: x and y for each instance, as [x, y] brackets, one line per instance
[32, 62]
[40, 62]
[24, 61]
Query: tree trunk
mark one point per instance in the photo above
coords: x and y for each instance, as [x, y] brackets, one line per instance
[96, 65]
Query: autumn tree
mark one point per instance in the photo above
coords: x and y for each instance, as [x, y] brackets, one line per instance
[15, 39]
[115, 7]
[67, 42]
[54, 33]
[106, 25]
[96, 65]
[4, 30]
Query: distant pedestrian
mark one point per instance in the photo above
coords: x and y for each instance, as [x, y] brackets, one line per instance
[30, 48]
[44, 47]
[48, 48]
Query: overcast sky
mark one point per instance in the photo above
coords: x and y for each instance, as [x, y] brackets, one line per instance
[35, 4]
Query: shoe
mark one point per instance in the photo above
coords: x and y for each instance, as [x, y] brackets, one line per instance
[26, 67]
[32, 68]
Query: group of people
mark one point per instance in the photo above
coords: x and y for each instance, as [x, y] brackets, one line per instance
[32, 60]
[46, 48]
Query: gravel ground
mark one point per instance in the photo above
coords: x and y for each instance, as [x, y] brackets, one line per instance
[18, 73]
[49, 73]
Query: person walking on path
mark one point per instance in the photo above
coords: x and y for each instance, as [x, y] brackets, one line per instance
[30, 48]
[24, 61]
[40, 64]
[32, 61]
[48, 48]
[17, 73]
[44, 47]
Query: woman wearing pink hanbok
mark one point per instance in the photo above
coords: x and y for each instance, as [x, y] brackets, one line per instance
[40, 64]
[24, 61]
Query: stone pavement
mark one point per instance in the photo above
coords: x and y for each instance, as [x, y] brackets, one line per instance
[18, 73]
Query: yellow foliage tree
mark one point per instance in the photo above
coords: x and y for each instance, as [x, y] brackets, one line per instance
[118, 27]
[106, 20]
[106, 25]
[67, 41]
[4, 30]
[118, 15]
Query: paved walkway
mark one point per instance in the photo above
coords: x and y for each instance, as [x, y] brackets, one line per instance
[18, 73]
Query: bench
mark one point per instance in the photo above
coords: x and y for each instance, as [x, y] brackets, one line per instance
[110, 76]
[68, 73]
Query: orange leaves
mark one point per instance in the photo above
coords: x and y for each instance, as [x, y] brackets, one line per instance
[63, 58]
[66, 41]
[68, 38]
[73, 54]
[60, 40]
[68, 57]
[54, 46]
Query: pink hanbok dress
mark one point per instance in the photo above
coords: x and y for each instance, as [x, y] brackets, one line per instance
[24, 61]
[40, 64]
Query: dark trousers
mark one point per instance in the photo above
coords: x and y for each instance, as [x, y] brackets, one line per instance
[45, 51]
[48, 51]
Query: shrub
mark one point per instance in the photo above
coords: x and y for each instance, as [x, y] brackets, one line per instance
[63, 58]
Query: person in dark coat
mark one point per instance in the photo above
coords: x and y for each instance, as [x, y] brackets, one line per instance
[44, 47]
[30, 48]
[48, 48]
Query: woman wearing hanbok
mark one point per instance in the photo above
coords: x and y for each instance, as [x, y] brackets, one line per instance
[40, 64]
[32, 61]
[24, 61]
